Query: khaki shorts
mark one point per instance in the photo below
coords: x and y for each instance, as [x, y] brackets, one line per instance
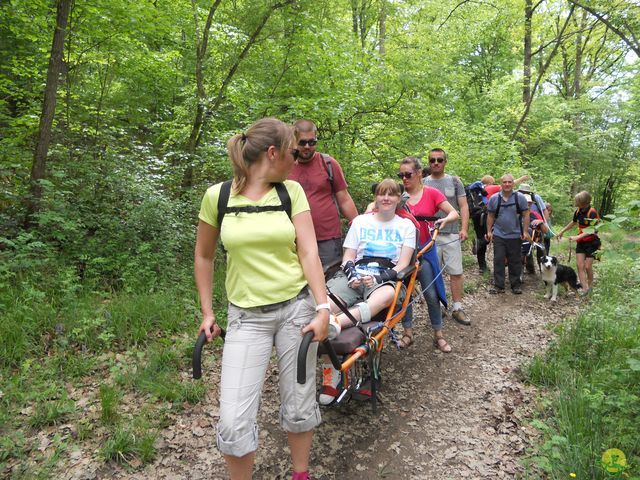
[450, 252]
[338, 286]
[251, 336]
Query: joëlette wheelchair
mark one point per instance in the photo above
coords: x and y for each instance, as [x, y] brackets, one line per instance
[356, 352]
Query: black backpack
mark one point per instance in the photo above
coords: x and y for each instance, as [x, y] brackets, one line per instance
[477, 207]
[224, 208]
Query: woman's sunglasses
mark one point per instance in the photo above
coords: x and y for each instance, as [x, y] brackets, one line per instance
[405, 175]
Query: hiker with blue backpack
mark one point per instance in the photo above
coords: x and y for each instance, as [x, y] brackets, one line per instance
[275, 289]
[507, 227]
[477, 201]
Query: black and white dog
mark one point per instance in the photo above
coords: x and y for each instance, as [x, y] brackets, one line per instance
[554, 274]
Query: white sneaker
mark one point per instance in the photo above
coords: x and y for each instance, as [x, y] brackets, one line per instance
[334, 327]
[330, 382]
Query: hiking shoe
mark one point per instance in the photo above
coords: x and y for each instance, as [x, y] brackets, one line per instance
[496, 291]
[330, 382]
[517, 291]
[460, 317]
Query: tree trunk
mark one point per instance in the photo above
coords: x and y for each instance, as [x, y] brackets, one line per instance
[526, 66]
[382, 29]
[541, 73]
[577, 69]
[232, 71]
[201, 51]
[187, 179]
[38, 169]
[607, 203]
[201, 93]
[354, 16]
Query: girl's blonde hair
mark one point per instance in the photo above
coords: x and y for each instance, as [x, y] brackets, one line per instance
[388, 187]
[583, 199]
[247, 148]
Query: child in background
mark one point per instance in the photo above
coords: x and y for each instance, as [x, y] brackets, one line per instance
[587, 243]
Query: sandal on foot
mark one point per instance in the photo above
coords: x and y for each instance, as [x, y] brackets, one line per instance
[406, 341]
[442, 345]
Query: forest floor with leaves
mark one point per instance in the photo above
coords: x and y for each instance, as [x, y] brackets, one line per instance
[443, 416]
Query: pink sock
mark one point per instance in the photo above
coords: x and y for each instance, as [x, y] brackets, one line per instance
[300, 476]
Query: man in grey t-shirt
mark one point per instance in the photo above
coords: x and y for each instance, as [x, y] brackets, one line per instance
[450, 238]
[507, 226]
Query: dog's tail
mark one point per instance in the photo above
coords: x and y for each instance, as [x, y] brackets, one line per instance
[574, 283]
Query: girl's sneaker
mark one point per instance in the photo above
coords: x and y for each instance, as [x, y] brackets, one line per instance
[330, 382]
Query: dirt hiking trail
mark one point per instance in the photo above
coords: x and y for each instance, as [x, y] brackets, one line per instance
[444, 416]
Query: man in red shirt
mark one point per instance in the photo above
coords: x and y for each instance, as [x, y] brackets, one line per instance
[324, 184]
[490, 187]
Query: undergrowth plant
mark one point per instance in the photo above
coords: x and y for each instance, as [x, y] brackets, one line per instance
[592, 374]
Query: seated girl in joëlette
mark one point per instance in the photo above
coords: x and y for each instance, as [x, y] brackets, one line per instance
[377, 246]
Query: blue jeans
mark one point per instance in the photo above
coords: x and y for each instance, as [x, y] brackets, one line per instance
[425, 276]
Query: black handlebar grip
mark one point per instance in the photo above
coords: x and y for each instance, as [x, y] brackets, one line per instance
[302, 357]
[196, 359]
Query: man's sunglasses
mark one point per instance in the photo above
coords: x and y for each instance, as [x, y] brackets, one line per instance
[311, 143]
[405, 174]
[434, 160]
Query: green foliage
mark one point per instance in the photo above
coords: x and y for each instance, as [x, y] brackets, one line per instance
[125, 444]
[109, 400]
[50, 412]
[593, 369]
[106, 269]
[11, 447]
[158, 375]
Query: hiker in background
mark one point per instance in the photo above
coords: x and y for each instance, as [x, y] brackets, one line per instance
[449, 241]
[275, 288]
[324, 184]
[538, 203]
[477, 201]
[587, 243]
[490, 184]
[507, 227]
[424, 202]
[537, 230]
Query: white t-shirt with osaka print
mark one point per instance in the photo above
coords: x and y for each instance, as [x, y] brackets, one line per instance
[370, 237]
